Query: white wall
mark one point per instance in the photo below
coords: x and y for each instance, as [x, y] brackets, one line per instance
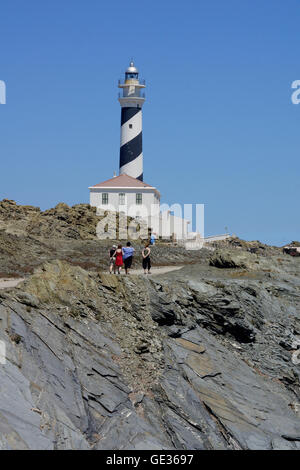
[163, 224]
[166, 225]
[216, 238]
[149, 200]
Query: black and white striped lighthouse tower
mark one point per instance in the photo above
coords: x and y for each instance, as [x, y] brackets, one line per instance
[131, 101]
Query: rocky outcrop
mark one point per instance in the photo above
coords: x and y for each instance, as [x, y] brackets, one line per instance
[78, 222]
[30, 237]
[232, 259]
[254, 246]
[238, 259]
[201, 358]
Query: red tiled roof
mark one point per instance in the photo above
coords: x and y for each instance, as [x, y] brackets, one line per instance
[122, 181]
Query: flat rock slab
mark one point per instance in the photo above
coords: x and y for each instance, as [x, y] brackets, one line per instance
[5, 283]
[190, 345]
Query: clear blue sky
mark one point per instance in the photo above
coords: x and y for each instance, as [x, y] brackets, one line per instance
[219, 125]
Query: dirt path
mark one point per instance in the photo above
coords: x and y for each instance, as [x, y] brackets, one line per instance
[155, 271]
[9, 282]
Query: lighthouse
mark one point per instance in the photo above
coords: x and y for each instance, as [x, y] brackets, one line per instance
[128, 193]
[131, 143]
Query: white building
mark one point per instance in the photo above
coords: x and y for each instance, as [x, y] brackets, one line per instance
[126, 194]
[139, 200]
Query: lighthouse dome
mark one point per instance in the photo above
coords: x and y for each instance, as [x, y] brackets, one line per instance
[132, 68]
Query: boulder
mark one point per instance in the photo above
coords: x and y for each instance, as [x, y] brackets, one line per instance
[229, 259]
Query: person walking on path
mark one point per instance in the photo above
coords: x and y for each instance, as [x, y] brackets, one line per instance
[152, 239]
[119, 258]
[146, 258]
[112, 259]
[128, 252]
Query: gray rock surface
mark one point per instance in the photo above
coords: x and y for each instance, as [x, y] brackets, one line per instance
[200, 358]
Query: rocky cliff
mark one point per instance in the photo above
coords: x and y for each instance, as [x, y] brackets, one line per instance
[200, 358]
[29, 237]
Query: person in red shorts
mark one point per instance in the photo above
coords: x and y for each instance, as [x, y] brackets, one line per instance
[119, 258]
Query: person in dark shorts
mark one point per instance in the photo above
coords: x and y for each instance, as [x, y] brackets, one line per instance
[112, 259]
[128, 252]
[146, 258]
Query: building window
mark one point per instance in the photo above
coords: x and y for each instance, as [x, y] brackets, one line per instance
[130, 126]
[104, 198]
[121, 199]
[138, 198]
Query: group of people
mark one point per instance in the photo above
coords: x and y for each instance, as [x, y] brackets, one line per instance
[119, 256]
